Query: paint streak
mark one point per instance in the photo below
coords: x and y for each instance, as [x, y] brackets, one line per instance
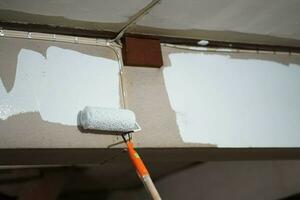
[234, 102]
[60, 85]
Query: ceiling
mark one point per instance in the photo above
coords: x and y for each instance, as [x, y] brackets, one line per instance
[268, 21]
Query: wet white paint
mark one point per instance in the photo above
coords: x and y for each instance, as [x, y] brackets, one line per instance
[234, 102]
[60, 85]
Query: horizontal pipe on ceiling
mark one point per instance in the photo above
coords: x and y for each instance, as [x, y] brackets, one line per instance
[42, 28]
[107, 43]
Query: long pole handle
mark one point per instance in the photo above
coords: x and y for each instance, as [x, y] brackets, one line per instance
[142, 171]
[150, 187]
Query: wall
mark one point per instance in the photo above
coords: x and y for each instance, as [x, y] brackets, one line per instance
[266, 180]
[230, 101]
[45, 84]
[45, 96]
[37, 76]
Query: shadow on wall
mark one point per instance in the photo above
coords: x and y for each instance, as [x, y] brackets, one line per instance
[37, 133]
[292, 197]
[260, 180]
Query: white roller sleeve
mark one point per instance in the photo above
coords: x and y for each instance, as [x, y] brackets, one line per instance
[107, 119]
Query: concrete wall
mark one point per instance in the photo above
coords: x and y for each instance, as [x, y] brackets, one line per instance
[28, 89]
[195, 100]
[235, 102]
[35, 81]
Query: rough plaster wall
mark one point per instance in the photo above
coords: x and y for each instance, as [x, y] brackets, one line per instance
[148, 98]
[146, 95]
[34, 131]
[265, 180]
[255, 91]
[232, 102]
[45, 85]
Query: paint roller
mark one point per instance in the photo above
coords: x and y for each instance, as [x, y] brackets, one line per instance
[122, 122]
[107, 119]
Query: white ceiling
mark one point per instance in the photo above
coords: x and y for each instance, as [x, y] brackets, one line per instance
[279, 18]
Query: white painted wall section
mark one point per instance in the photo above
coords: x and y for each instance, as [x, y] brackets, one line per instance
[234, 102]
[60, 85]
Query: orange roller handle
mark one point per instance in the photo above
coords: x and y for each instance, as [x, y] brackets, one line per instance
[142, 171]
[136, 160]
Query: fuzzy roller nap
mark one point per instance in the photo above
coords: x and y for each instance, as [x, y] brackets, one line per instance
[107, 119]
